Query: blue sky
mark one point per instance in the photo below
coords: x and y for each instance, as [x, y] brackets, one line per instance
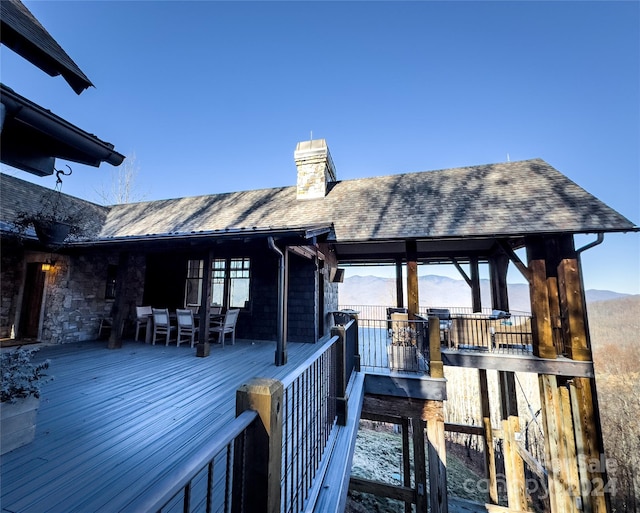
[213, 96]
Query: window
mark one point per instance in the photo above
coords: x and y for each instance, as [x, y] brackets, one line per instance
[218, 275]
[193, 287]
[230, 282]
[239, 282]
[110, 290]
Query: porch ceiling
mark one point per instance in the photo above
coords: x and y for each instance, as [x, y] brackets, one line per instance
[427, 250]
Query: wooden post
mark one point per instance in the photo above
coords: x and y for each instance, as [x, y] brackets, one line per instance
[263, 470]
[399, 289]
[489, 452]
[498, 268]
[590, 446]
[551, 265]
[513, 464]
[341, 375]
[541, 318]
[406, 459]
[562, 448]
[118, 311]
[572, 485]
[438, 498]
[436, 367]
[202, 348]
[413, 301]
[476, 301]
[584, 399]
[419, 464]
[573, 310]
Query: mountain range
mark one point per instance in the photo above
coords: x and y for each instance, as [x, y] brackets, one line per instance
[442, 291]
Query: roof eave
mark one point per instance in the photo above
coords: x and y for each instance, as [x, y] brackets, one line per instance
[58, 137]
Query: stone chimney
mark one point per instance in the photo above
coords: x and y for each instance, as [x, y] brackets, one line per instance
[315, 169]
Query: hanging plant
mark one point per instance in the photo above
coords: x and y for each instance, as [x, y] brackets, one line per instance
[55, 221]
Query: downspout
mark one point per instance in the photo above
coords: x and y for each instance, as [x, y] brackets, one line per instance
[281, 343]
[596, 242]
[579, 252]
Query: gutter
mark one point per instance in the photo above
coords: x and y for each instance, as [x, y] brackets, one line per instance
[21, 110]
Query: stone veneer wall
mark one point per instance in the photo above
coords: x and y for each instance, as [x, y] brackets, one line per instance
[11, 269]
[75, 296]
[330, 289]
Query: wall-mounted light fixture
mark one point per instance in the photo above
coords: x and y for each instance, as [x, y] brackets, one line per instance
[48, 264]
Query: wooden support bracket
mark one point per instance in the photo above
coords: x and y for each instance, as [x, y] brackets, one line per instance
[520, 265]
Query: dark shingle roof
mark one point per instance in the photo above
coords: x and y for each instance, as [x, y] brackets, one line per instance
[507, 199]
[19, 196]
[24, 34]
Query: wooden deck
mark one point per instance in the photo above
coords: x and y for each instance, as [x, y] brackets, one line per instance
[112, 421]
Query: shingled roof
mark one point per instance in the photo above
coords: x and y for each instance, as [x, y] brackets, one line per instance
[496, 200]
[23, 33]
[508, 199]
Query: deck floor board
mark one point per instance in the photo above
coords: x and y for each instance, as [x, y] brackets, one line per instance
[111, 422]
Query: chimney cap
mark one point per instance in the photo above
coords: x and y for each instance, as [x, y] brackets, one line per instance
[312, 147]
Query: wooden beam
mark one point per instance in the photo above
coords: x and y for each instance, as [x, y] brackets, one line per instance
[466, 429]
[534, 465]
[518, 363]
[461, 271]
[403, 407]
[381, 417]
[524, 270]
[493, 508]
[401, 493]
[419, 387]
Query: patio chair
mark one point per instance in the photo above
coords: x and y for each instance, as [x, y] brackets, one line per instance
[143, 313]
[228, 325]
[186, 325]
[106, 323]
[162, 324]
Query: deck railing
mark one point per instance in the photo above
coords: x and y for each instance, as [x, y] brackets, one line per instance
[309, 414]
[400, 345]
[404, 346]
[475, 332]
[204, 481]
[270, 458]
